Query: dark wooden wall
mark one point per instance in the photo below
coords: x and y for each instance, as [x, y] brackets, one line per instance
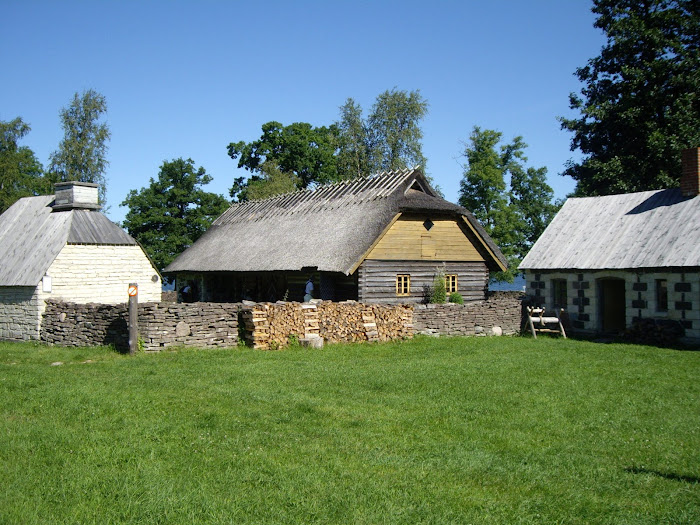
[377, 279]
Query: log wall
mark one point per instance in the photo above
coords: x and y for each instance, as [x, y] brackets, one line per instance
[377, 279]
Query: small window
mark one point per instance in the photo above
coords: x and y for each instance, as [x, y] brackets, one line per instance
[559, 297]
[661, 295]
[451, 283]
[403, 284]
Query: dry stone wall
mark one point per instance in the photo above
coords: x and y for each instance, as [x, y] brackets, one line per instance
[161, 325]
[499, 314]
[271, 326]
[20, 313]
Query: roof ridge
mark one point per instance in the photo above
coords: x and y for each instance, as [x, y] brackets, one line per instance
[325, 196]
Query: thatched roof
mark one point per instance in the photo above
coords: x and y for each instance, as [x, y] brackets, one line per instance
[32, 235]
[329, 228]
[650, 229]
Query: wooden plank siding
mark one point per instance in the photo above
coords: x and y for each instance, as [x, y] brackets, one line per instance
[408, 239]
[377, 279]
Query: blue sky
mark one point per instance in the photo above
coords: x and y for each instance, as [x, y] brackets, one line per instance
[184, 79]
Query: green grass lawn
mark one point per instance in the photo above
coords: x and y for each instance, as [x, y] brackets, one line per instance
[451, 430]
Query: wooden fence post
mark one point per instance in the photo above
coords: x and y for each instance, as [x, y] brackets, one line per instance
[133, 318]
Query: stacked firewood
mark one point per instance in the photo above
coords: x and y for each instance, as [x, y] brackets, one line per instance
[341, 322]
[257, 326]
[354, 322]
[658, 332]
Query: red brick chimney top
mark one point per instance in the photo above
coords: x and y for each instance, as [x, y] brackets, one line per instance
[690, 172]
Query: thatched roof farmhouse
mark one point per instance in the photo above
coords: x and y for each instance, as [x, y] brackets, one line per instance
[63, 247]
[379, 238]
[613, 260]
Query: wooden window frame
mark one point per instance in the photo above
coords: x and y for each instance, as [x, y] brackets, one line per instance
[403, 284]
[451, 283]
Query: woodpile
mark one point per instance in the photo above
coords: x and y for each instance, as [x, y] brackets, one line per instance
[272, 326]
[357, 322]
[657, 332]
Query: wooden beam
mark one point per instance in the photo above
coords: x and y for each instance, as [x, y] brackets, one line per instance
[476, 234]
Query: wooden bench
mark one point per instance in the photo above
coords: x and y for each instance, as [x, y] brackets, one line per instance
[538, 321]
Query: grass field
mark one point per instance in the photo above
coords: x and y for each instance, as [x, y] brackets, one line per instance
[478, 430]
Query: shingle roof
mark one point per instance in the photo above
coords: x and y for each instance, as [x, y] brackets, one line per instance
[330, 228]
[32, 235]
[651, 229]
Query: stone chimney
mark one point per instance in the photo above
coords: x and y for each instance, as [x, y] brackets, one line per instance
[690, 172]
[76, 195]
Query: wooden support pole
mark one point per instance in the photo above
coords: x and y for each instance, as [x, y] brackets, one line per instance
[133, 318]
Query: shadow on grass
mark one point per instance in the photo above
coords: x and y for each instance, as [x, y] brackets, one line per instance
[666, 475]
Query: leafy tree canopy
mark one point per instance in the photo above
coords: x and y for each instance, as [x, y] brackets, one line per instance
[82, 154]
[173, 212]
[299, 149]
[394, 130]
[388, 139]
[273, 182]
[20, 171]
[512, 202]
[640, 104]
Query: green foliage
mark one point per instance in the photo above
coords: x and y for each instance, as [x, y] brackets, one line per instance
[394, 130]
[272, 181]
[20, 171]
[388, 139]
[456, 298]
[639, 106]
[82, 154]
[513, 203]
[438, 293]
[173, 212]
[448, 430]
[299, 149]
[354, 156]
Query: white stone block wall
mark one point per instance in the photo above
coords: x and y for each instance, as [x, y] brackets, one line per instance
[640, 296]
[101, 274]
[20, 313]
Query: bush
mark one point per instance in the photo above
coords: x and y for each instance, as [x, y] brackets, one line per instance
[456, 298]
[439, 294]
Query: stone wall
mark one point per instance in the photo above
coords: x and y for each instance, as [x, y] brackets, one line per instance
[499, 314]
[204, 325]
[265, 325]
[20, 313]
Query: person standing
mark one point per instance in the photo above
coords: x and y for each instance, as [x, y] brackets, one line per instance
[309, 290]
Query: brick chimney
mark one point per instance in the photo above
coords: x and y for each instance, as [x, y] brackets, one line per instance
[76, 195]
[690, 172]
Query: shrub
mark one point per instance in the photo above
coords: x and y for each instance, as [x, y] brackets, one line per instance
[439, 294]
[456, 297]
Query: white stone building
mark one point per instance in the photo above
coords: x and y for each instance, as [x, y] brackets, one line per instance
[63, 247]
[610, 261]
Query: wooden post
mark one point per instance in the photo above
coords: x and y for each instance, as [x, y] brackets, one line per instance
[133, 318]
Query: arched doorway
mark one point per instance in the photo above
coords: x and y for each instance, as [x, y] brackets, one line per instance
[612, 306]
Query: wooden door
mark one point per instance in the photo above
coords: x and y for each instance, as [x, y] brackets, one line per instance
[612, 305]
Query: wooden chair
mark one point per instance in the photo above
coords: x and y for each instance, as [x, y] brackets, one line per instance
[539, 322]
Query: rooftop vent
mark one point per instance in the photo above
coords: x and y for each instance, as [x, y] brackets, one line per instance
[76, 195]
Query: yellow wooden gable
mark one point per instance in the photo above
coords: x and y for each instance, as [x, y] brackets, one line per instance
[419, 238]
